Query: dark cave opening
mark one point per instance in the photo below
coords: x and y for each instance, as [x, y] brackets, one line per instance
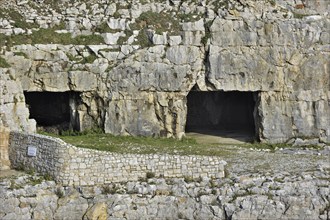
[53, 109]
[229, 114]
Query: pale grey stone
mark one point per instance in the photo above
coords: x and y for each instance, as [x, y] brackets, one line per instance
[112, 38]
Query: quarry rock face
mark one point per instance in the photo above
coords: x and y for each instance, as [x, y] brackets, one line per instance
[128, 67]
[14, 113]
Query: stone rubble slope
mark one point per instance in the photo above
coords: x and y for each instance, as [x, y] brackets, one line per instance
[299, 192]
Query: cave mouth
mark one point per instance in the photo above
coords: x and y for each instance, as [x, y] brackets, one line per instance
[53, 111]
[225, 114]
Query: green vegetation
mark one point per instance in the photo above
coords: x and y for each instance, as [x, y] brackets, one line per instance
[19, 20]
[191, 17]
[143, 39]
[46, 36]
[19, 53]
[90, 59]
[59, 192]
[150, 175]
[123, 5]
[299, 15]
[129, 144]
[73, 58]
[79, 59]
[207, 36]
[241, 194]
[220, 4]
[3, 63]
[159, 22]
[107, 189]
[123, 39]
[272, 2]
[13, 185]
[104, 28]
[188, 179]
[96, 139]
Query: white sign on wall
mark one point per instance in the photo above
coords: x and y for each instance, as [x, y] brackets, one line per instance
[32, 151]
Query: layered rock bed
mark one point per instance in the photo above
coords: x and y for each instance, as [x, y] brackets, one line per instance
[285, 184]
[128, 66]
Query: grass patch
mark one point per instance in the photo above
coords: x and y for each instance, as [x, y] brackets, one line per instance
[191, 17]
[96, 139]
[19, 53]
[49, 36]
[140, 145]
[299, 15]
[3, 63]
[104, 28]
[265, 146]
[159, 22]
[17, 18]
[13, 185]
[89, 59]
[220, 4]
[143, 39]
[123, 39]
[188, 179]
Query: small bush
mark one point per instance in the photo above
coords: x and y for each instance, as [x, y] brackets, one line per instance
[188, 179]
[272, 2]
[150, 175]
[207, 35]
[34, 180]
[30, 171]
[49, 36]
[21, 54]
[106, 190]
[59, 192]
[226, 173]
[13, 185]
[48, 177]
[3, 63]
[102, 28]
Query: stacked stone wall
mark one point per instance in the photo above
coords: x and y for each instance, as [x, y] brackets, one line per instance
[77, 166]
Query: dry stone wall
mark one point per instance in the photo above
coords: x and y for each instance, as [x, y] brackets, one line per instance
[77, 166]
[134, 62]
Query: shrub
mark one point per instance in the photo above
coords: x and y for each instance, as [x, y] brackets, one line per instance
[3, 63]
[150, 175]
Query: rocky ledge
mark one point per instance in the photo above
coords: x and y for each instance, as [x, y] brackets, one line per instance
[294, 185]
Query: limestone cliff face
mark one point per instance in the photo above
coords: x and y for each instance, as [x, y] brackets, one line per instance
[13, 111]
[133, 63]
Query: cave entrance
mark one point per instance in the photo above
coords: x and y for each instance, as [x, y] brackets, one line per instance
[53, 111]
[222, 114]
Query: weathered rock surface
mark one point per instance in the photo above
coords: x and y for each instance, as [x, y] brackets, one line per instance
[135, 80]
[13, 110]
